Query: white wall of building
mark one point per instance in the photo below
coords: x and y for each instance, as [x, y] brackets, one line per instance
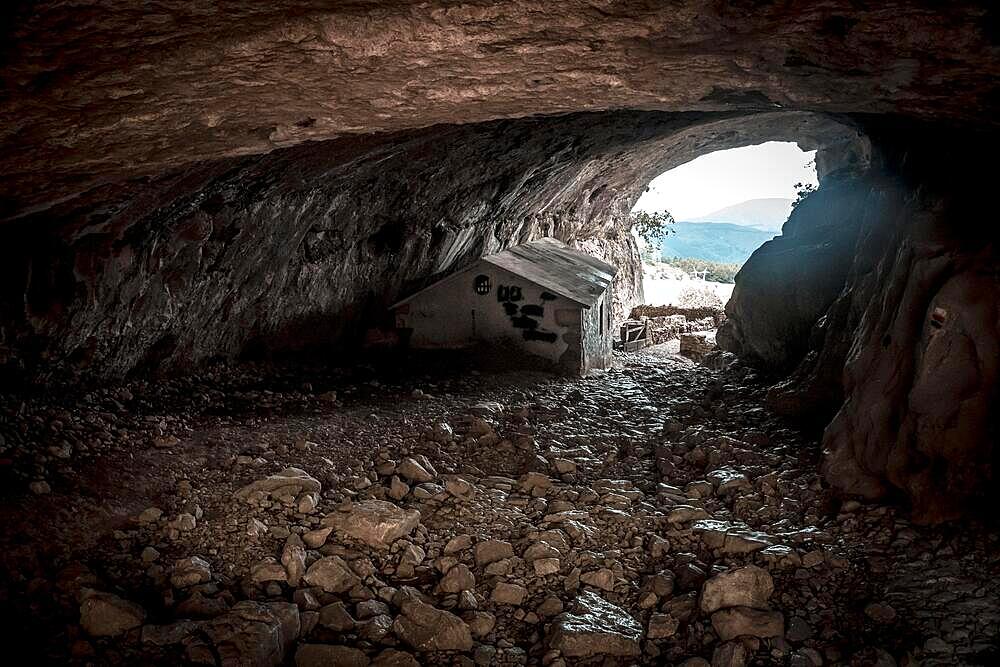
[451, 315]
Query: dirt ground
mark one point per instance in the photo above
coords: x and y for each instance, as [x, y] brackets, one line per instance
[637, 485]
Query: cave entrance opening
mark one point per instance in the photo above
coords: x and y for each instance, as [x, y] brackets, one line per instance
[697, 223]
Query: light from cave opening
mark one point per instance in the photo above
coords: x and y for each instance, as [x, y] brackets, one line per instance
[726, 205]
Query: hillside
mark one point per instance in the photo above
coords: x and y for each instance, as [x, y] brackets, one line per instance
[767, 214]
[714, 241]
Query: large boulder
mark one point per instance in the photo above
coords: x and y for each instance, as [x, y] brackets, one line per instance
[252, 634]
[749, 586]
[789, 282]
[595, 627]
[332, 574]
[107, 615]
[377, 523]
[427, 628]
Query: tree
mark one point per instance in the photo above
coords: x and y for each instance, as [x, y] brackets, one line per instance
[804, 190]
[651, 227]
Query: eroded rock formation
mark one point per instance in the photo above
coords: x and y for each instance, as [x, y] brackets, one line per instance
[904, 350]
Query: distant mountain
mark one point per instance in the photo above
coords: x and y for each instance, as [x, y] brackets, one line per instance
[714, 241]
[769, 214]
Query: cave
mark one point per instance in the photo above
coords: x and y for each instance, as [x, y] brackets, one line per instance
[208, 207]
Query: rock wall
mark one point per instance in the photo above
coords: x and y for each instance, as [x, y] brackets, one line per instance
[306, 246]
[905, 357]
[96, 92]
[791, 280]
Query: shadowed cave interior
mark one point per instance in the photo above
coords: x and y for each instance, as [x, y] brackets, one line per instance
[207, 208]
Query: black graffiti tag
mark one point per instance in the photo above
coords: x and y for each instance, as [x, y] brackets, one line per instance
[509, 293]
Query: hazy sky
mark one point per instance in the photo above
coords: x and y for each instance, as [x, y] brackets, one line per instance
[724, 178]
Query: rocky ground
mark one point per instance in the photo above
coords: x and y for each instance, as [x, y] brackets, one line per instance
[655, 514]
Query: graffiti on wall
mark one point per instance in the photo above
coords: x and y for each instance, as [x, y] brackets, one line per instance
[526, 317]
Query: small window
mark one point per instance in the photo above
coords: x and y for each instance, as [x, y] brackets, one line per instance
[602, 318]
[482, 285]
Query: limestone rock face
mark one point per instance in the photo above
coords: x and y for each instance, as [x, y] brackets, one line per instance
[904, 358]
[296, 70]
[595, 627]
[791, 281]
[377, 523]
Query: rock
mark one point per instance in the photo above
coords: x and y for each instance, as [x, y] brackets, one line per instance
[546, 566]
[535, 483]
[290, 482]
[727, 480]
[749, 586]
[603, 578]
[507, 593]
[459, 578]
[336, 617]
[540, 550]
[480, 623]
[417, 470]
[377, 523]
[880, 613]
[730, 654]
[398, 488]
[200, 606]
[487, 409]
[563, 466]
[426, 628]
[316, 538]
[150, 515]
[189, 572]
[686, 513]
[798, 630]
[596, 627]
[490, 551]
[460, 488]
[695, 662]
[293, 559]
[458, 543]
[731, 537]
[165, 635]
[331, 574]
[107, 615]
[390, 657]
[696, 345]
[252, 634]
[324, 655]
[743, 621]
[268, 569]
[662, 626]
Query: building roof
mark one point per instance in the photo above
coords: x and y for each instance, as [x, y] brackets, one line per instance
[558, 268]
[553, 265]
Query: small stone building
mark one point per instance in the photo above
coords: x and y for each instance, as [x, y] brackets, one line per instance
[541, 299]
